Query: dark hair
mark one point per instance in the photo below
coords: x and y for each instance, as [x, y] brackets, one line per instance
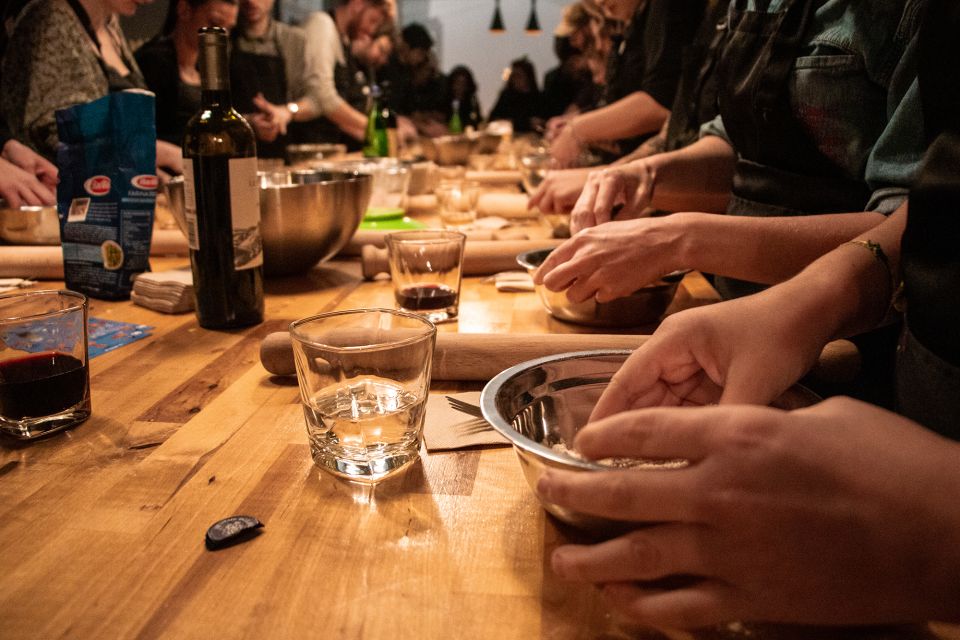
[416, 36]
[462, 71]
[523, 64]
[171, 20]
[563, 49]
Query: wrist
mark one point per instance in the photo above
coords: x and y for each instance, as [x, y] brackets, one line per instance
[575, 135]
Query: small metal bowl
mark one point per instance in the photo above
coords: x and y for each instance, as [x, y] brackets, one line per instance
[449, 150]
[29, 224]
[540, 405]
[644, 306]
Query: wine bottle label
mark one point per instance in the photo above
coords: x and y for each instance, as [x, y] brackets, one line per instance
[245, 210]
[190, 205]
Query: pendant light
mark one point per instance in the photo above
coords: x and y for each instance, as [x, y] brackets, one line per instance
[496, 25]
[533, 23]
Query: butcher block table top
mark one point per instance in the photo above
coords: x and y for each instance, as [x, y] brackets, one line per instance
[102, 527]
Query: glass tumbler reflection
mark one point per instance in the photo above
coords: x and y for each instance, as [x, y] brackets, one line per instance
[364, 378]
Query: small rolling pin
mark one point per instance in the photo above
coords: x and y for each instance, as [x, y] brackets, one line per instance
[480, 258]
[481, 356]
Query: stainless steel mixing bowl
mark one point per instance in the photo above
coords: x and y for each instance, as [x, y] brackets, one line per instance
[306, 216]
[644, 306]
[29, 224]
[540, 405]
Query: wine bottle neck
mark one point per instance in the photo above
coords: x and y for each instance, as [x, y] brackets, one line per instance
[214, 67]
[215, 98]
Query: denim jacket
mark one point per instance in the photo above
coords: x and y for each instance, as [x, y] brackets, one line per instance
[855, 90]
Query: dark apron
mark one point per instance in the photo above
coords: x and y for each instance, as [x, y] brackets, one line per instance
[928, 359]
[696, 100]
[780, 172]
[253, 73]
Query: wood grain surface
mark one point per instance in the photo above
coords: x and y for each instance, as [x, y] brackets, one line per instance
[102, 527]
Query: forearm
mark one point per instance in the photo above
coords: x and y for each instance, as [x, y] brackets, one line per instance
[695, 178]
[349, 120]
[651, 146]
[846, 291]
[767, 250]
[634, 115]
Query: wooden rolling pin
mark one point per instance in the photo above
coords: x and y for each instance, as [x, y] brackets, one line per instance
[505, 205]
[43, 263]
[470, 356]
[481, 356]
[480, 258]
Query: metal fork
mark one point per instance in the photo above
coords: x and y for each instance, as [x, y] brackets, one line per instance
[478, 423]
[464, 407]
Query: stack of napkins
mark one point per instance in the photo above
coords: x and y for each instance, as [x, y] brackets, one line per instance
[165, 291]
[513, 281]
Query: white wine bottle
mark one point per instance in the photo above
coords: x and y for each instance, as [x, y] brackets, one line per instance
[222, 199]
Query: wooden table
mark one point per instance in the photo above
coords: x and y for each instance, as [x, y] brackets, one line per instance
[101, 527]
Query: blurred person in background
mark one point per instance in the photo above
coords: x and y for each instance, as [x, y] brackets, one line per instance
[26, 178]
[462, 94]
[419, 88]
[169, 61]
[643, 71]
[569, 86]
[520, 100]
[63, 53]
[272, 80]
[374, 53]
[341, 100]
[694, 104]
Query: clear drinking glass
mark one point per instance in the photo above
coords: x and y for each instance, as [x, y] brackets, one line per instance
[44, 373]
[364, 377]
[457, 202]
[426, 268]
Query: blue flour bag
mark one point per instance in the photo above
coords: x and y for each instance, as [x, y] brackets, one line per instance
[108, 187]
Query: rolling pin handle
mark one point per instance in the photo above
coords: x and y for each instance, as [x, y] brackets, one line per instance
[374, 261]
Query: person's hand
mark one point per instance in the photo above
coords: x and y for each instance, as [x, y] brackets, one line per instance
[615, 259]
[32, 162]
[628, 187]
[265, 128]
[406, 130]
[169, 160]
[835, 514]
[554, 126]
[743, 351]
[559, 190]
[564, 148]
[19, 187]
[279, 115]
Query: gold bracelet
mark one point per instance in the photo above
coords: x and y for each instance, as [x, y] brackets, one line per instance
[896, 288]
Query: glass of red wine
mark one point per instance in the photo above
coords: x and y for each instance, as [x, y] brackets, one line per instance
[426, 268]
[44, 372]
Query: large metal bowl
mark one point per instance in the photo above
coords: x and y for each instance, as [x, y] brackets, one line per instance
[644, 306]
[540, 405]
[306, 216]
[29, 224]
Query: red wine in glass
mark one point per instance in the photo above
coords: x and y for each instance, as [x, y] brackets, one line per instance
[426, 297]
[41, 384]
